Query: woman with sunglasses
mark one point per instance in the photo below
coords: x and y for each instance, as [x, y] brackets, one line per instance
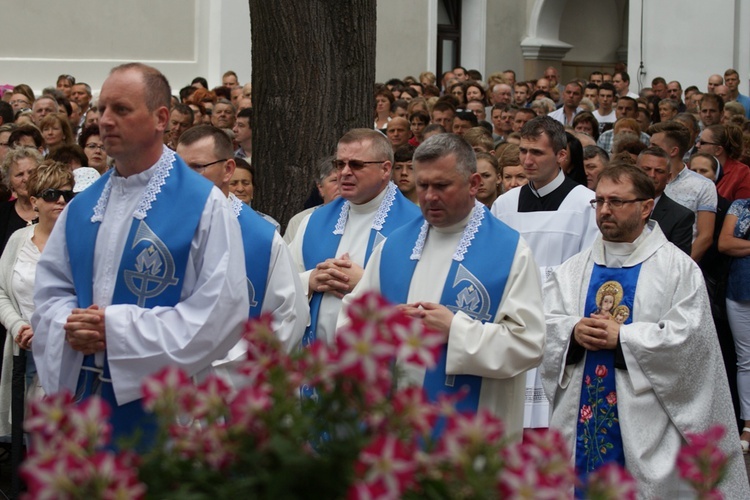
[51, 188]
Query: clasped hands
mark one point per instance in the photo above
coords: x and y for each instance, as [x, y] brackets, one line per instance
[336, 276]
[84, 330]
[597, 332]
[434, 316]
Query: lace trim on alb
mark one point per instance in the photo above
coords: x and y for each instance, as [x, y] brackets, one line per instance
[153, 188]
[416, 252]
[385, 206]
[477, 215]
[236, 205]
[380, 216]
[343, 217]
[475, 220]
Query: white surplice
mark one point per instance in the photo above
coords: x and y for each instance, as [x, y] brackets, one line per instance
[553, 236]
[201, 328]
[284, 299]
[675, 382]
[500, 352]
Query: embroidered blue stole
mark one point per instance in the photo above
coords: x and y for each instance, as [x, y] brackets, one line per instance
[598, 438]
[323, 235]
[474, 285]
[151, 271]
[257, 239]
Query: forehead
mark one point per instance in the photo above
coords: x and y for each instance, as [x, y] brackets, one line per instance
[595, 160]
[396, 124]
[200, 150]
[346, 150]
[607, 188]
[572, 88]
[44, 102]
[541, 142]
[177, 115]
[442, 168]
[652, 161]
[701, 162]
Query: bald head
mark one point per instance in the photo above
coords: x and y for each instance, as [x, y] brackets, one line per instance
[722, 91]
[398, 132]
[713, 82]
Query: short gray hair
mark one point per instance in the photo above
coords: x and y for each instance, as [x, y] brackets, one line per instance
[380, 144]
[15, 154]
[441, 145]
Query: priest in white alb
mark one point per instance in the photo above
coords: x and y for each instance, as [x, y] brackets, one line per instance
[144, 269]
[334, 243]
[632, 363]
[469, 276]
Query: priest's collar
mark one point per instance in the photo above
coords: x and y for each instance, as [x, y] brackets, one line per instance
[369, 206]
[469, 225]
[544, 191]
[153, 178]
[383, 202]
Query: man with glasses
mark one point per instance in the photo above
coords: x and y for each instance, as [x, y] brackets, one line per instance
[272, 281]
[334, 243]
[689, 189]
[553, 215]
[145, 268]
[631, 360]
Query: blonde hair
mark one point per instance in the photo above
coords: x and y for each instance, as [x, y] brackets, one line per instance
[49, 175]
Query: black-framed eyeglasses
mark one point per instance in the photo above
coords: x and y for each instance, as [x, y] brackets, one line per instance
[201, 168]
[93, 145]
[701, 141]
[354, 165]
[52, 195]
[613, 203]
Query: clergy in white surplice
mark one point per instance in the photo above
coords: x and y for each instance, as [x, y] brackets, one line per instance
[632, 363]
[469, 276]
[272, 280]
[553, 214]
[334, 243]
[144, 269]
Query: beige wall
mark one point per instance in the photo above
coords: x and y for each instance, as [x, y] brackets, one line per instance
[86, 38]
[402, 39]
[506, 27]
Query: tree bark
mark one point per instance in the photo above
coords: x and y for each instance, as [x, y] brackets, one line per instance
[313, 77]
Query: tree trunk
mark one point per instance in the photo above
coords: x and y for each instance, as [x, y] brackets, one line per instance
[313, 76]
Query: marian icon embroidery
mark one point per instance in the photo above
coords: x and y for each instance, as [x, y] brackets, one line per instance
[473, 299]
[154, 267]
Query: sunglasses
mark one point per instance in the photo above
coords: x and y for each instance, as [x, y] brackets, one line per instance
[52, 195]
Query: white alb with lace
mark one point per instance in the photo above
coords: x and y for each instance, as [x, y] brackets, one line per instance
[380, 216]
[475, 220]
[153, 188]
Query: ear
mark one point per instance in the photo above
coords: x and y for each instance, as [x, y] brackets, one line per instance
[562, 155]
[387, 167]
[162, 118]
[475, 180]
[646, 209]
[229, 168]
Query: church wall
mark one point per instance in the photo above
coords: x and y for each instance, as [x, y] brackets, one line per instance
[506, 27]
[689, 40]
[86, 38]
[594, 29]
[402, 39]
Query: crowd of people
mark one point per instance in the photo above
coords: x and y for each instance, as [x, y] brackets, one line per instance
[567, 239]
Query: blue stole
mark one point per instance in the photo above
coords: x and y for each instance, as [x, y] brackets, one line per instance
[324, 231]
[598, 436]
[151, 270]
[489, 257]
[257, 239]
